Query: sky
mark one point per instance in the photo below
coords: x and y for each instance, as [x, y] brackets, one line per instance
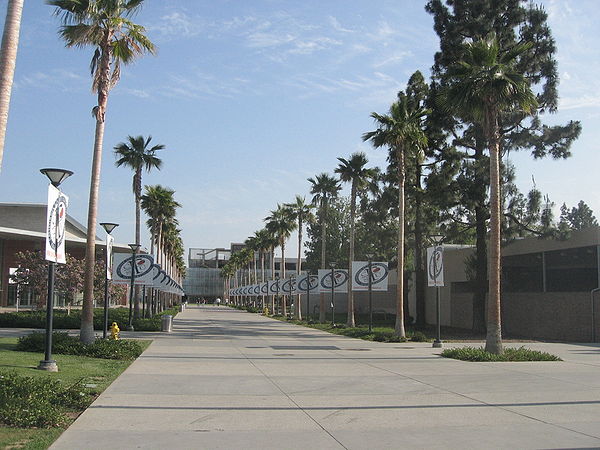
[250, 98]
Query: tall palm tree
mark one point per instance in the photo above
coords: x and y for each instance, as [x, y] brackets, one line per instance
[485, 84]
[105, 25]
[302, 212]
[353, 171]
[401, 132]
[323, 187]
[138, 155]
[281, 223]
[160, 206]
[8, 60]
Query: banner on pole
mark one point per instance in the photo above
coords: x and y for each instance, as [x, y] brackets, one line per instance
[340, 280]
[143, 270]
[274, 287]
[56, 218]
[306, 283]
[109, 256]
[435, 266]
[360, 276]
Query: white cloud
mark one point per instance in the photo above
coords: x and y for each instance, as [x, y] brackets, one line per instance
[337, 26]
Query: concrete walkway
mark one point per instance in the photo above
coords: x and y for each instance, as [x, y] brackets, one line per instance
[226, 379]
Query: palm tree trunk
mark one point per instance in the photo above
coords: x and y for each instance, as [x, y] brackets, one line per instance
[493, 343]
[351, 322]
[8, 60]
[284, 297]
[419, 269]
[399, 327]
[323, 255]
[297, 309]
[138, 195]
[86, 334]
[272, 277]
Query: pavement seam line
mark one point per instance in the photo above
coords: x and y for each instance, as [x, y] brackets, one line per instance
[289, 398]
[482, 402]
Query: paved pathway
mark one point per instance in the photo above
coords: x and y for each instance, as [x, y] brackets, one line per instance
[226, 379]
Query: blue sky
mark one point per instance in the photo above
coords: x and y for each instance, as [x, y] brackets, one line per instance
[251, 98]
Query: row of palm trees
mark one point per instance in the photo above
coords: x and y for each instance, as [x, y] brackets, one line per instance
[481, 87]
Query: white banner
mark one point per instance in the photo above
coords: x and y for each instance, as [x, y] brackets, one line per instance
[264, 288]
[109, 256]
[360, 276]
[274, 287]
[340, 284]
[286, 286]
[143, 270]
[305, 284]
[56, 218]
[435, 266]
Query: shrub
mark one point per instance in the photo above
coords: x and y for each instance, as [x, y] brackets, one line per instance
[64, 344]
[418, 336]
[38, 402]
[510, 354]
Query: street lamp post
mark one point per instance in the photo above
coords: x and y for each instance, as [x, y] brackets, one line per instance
[332, 265]
[56, 177]
[370, 259]
[437, 240]
[134, 248]
[108, 227]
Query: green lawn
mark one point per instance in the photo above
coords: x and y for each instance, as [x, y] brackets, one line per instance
[97, 374]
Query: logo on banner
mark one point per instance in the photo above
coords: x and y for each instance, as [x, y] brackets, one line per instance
[264, 288]
[286, 287]
[143, 265]
[308, 283]
[340, 277]
[435, 266]
[379, 272]
[56, 217]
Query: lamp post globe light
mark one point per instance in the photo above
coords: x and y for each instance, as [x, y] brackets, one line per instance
[134, 248]
[56, 177]
[332, 264]
[108, 227]
[437, 239]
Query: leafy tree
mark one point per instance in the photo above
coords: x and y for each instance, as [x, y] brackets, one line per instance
[105, 25]
[8, 60]
[578, 217]
[483, 85]
[512, 21]
[324, 187]
[353, 171]
[32, 270]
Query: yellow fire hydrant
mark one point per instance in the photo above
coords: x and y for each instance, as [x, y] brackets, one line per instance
[114, 331]
[265, 311]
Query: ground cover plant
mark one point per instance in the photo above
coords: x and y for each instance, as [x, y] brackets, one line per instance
[64, 395]
[63, 320]
[64, 344]
[509, 354]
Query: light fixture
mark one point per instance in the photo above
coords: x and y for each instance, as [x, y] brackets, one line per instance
[109, 226]
[56, 176]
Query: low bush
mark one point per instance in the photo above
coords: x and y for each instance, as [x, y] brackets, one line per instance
[510, 354]
[64, 344]
[35, 402]
[62, 320]
[417, 336]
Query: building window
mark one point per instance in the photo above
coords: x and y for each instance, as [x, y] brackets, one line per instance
[572, 270]
[523, 273]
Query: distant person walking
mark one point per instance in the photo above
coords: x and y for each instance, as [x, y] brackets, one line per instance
[218, 301]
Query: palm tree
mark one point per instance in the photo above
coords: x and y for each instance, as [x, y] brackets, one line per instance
[401, 131]
[160, 206]
[482, 86]
[105, 25]
[324, 187]
[138, 155]
[302, 212]
[8, 60]
[281, 223]
[353, 171]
